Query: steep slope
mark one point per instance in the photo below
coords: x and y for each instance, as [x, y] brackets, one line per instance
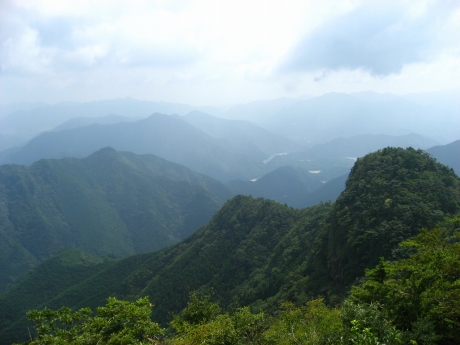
[447, 154]
[109, 203]
[390, 195]
[259, 252]
[64, 270]
[220, 256]
[161, 135]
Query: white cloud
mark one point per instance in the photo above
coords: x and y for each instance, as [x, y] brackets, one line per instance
[221, 51]
[378, 37]
[24, 54]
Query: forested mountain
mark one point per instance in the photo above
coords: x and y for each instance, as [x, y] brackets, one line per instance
[387, 199]
[258, 252]
[108, 204]
[162, 135]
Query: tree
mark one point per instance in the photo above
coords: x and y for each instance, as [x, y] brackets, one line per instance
[202, 322]
[118, 322]
[311, 324]
[420, 294]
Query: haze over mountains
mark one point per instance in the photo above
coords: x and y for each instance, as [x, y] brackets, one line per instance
[97, 187]
[296, 162]
[431, 115]
[22, 121]
[321, 119]
[343, 126]
[290, 122]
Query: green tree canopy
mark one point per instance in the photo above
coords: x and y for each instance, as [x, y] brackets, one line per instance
[118, 322]
[421, 294]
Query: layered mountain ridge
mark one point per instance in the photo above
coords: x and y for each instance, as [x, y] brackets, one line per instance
[258, 252]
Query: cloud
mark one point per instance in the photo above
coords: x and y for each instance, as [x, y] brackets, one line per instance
[65, 38]
[374, 37]
[55, 32]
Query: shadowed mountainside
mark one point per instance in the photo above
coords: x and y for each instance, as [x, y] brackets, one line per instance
[108, 204]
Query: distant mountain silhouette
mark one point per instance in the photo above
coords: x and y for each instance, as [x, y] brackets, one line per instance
[329, 191]
[448, 155]
[360, 145]
[292, 186]
[21, 122]
[258, 111]
[242, 136]
[336, 157]
[159, 134]
[286, 185]
[86, 121]
[321, 119]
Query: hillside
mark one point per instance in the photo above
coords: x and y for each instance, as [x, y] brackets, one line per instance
[108, 204]
[162, 135]
[258, 252]
[387, 199]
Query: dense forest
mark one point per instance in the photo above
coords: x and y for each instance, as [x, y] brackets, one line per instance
[357, 271]
[107, 204]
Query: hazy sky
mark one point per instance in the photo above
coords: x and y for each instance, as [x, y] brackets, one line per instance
[221, 52]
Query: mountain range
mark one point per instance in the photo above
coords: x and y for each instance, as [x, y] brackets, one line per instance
[258, 252]
[433, 115]
[321, 119]
[21, 122]
[159, 134]
[106, 199]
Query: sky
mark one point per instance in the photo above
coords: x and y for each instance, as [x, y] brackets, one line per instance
[214, 52]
